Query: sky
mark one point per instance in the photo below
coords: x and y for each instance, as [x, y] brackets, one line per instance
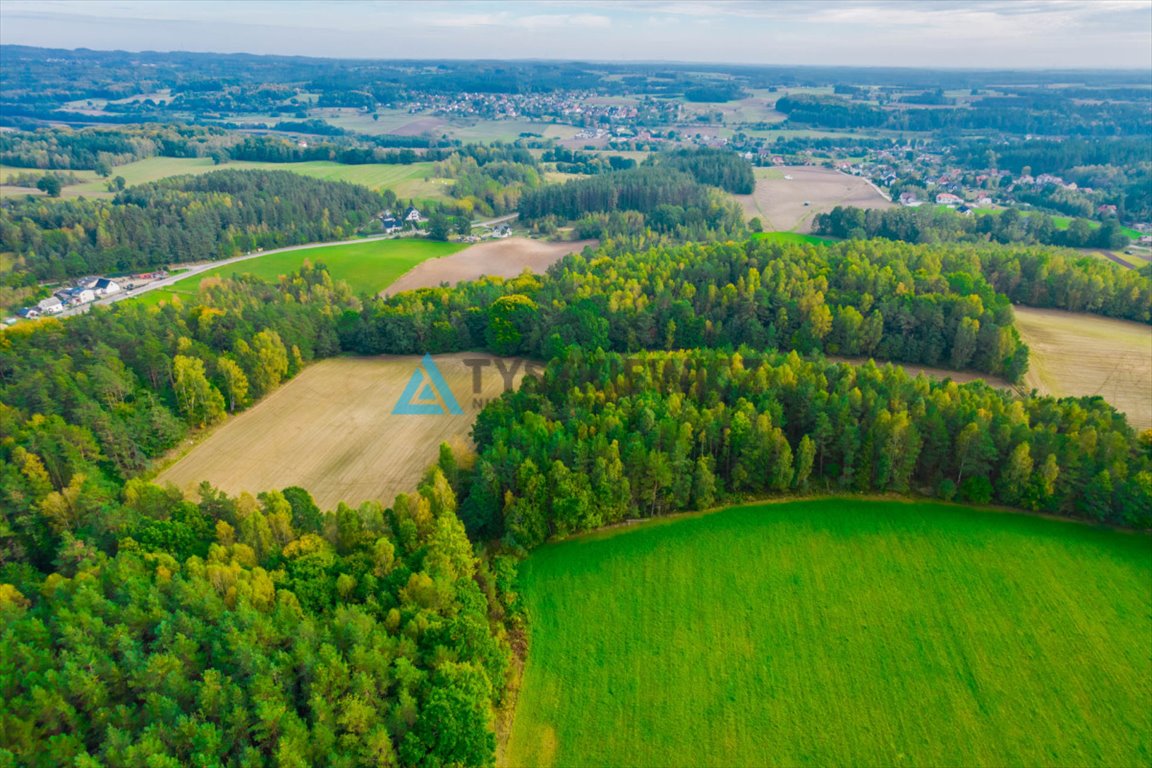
[974, 34]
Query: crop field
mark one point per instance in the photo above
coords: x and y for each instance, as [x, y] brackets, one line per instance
[786, 198]
[499, 258]
[1074, 355]
[407, 181]
[838, 632]
[368, 267]
[331, 430]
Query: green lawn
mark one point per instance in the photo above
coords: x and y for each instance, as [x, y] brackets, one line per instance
[841, 633]
[793, 237]
[370, 266]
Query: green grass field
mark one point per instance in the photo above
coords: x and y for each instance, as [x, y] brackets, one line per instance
[793, 237]
[370, 266]
[839, 632]
[408, 181]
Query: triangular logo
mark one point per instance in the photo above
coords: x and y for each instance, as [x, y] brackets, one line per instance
[427, 393]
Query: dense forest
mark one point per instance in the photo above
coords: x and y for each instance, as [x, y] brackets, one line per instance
[1047, 114]
[934, 224]
[671, 197]
[183, 218]
[604, 437]
[895, 302]
[1036, 277]
[262, 630]
[154, 630]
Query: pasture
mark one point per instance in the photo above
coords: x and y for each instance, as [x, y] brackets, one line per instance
[498, 258]
[838, 632]
[786, 198]
[1076, 355]
[368, 266]
[331, 430]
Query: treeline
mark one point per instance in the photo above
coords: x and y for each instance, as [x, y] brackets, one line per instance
[674, 178]
[716, 167]
[604, 437]
[1036, 277]
[101, 149]
[184, 218]
[1053, 116]
[933, 224]
[575, 161]
[135, 378]
[892, 301]
[670, 197]
[491, 189]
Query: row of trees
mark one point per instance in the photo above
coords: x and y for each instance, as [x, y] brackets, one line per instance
[184, 218]
[604, 437]
[932, 224]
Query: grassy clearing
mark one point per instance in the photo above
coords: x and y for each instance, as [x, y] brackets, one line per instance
[370, 266]
[331, 430]
[839, 632]
[793, 237]
[1077, 355]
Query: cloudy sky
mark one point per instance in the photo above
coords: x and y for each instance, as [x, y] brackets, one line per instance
[937, 33]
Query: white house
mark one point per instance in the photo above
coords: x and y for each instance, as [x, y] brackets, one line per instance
[944, 198]
[77, 295]
[106, 287]
[413, 215]
[51, 306]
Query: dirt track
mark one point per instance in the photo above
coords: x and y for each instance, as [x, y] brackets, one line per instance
[503, 258]
[779, 201]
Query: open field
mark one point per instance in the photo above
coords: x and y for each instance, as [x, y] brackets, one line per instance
[499, 258]
[838, 632]
[1078, 354]
[368, 267]
[331, 430]
[407, 181]
[780, 201]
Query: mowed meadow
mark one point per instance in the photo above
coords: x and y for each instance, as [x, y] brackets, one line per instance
[838, 632]
[332, 430]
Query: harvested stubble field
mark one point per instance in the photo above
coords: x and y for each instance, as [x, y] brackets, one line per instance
[500, 258]
[838, 632]
[779, 201]
[331, 430]
[1074, 355]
